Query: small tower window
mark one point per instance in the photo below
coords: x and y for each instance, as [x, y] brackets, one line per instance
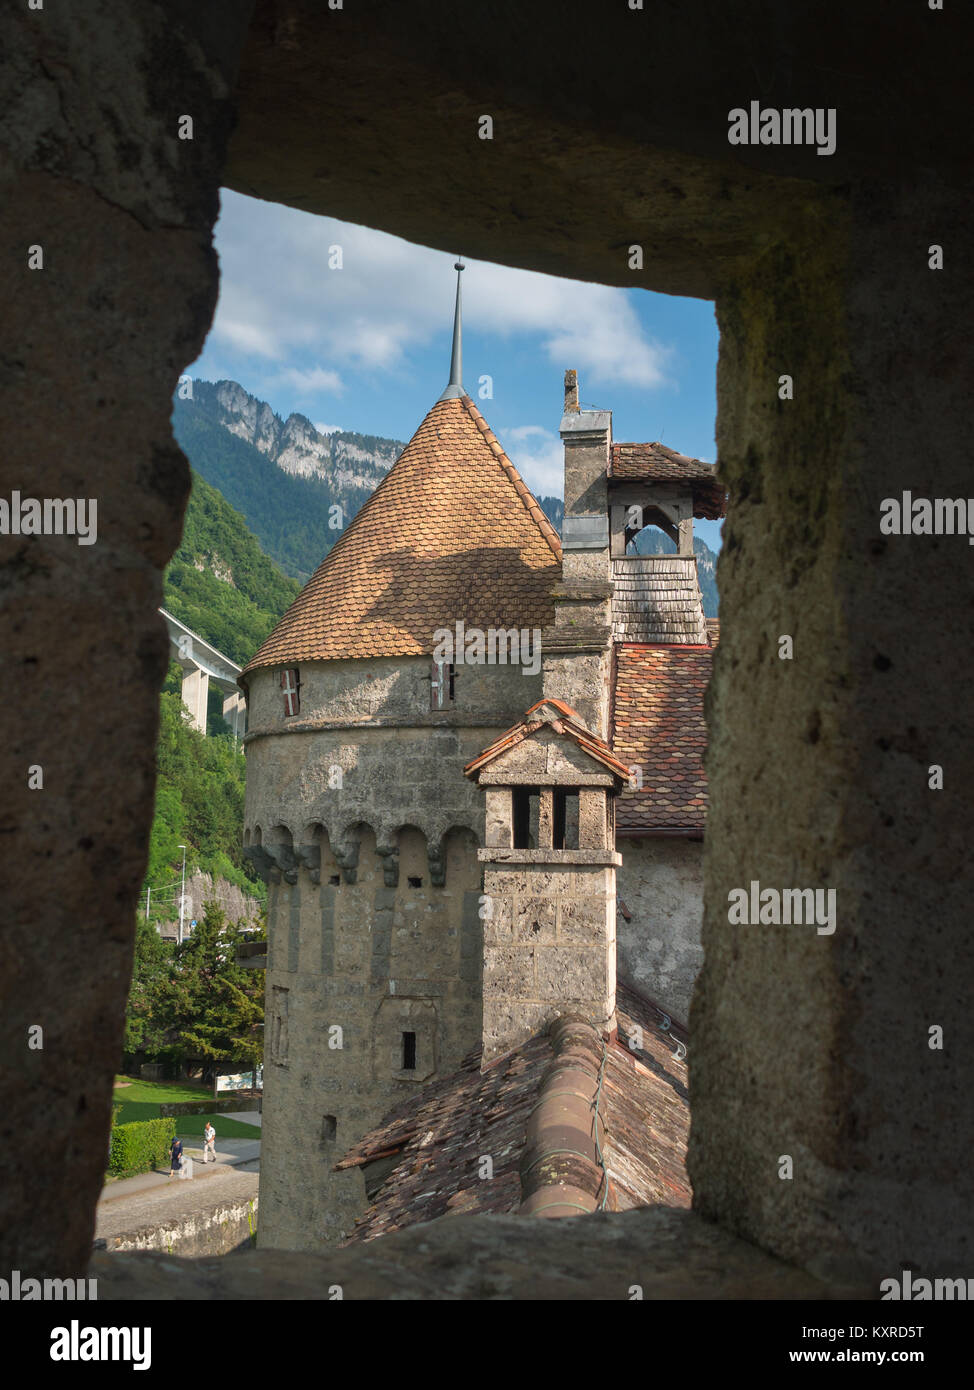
[409, 1051]
[442, 684]
[565, 830]
[291, 689]
[526, 807]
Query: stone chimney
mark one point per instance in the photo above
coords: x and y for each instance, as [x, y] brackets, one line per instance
[571, 391]
[577, 648]
[549, 876]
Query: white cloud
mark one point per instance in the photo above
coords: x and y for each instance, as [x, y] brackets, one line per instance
[541, 464]
[280, 301]
[328, 429]
[522, 432]
[311, 383]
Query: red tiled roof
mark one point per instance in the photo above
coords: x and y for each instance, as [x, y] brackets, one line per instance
[569, 726]
[655, 463]
[442, 1133]
[658, 726]
[451, 532]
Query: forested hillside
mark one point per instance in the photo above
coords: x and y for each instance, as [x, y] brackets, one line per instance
[219, 582]
[222, 585]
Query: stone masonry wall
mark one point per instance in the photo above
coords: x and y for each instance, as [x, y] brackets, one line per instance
[660, 950]
[549, 941]
[352, 966]
[353, 944]
[92, 172]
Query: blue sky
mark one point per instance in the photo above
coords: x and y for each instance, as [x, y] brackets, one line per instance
[367, 347]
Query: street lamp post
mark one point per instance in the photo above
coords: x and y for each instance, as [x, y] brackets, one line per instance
[182, 895]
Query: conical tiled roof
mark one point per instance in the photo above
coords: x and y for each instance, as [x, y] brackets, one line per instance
[450, 533]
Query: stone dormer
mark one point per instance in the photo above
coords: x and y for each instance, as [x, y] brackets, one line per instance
[549, 875]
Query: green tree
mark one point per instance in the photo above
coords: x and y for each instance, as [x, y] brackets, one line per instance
[218, 1006]
[148, 1018]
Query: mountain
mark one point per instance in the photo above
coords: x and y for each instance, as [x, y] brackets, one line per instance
[295, 487]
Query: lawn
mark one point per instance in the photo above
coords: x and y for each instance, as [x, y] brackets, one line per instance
[141, 1101]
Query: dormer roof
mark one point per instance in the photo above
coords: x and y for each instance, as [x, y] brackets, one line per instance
[562, 720]
[452, 532]
[655, 463]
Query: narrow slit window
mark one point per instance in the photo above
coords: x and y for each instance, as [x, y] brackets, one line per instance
[291, 690]
[442, 684]
[409, 1051]
[526, 807]
[565, 830]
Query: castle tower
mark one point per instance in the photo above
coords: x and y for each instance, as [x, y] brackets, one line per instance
[397, 663]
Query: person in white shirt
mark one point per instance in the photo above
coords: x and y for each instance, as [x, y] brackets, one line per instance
[209, 1138]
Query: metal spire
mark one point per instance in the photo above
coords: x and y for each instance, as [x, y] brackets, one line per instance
[455, 387]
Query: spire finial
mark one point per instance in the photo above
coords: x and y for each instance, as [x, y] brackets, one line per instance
[455, 387]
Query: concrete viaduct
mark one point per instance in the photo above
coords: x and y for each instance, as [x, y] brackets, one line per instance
[201, 663]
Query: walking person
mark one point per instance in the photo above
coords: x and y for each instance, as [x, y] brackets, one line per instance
[209, 1139]
[175, 1156]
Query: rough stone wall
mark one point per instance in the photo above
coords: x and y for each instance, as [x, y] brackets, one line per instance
[91, 171]
[213, 1229]
[352, 966]
[660, 950]
[400, 763]
[549, 943]
[818, 1045]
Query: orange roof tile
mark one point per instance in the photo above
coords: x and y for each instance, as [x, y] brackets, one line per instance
[659, 726]
[655, 463]
[570, 726]
[450, 533]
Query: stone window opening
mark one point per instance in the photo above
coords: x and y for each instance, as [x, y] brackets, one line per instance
[414, 881]
[334, 880]
[291, 690]
[409, 1051]
[442, 684]
[526, 816]
[565, 823]
[329, 1129]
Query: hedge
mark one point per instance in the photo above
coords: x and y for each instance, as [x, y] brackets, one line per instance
[140, 1146]
[208, 1107]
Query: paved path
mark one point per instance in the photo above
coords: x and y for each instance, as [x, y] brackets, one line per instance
[229, 1154]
